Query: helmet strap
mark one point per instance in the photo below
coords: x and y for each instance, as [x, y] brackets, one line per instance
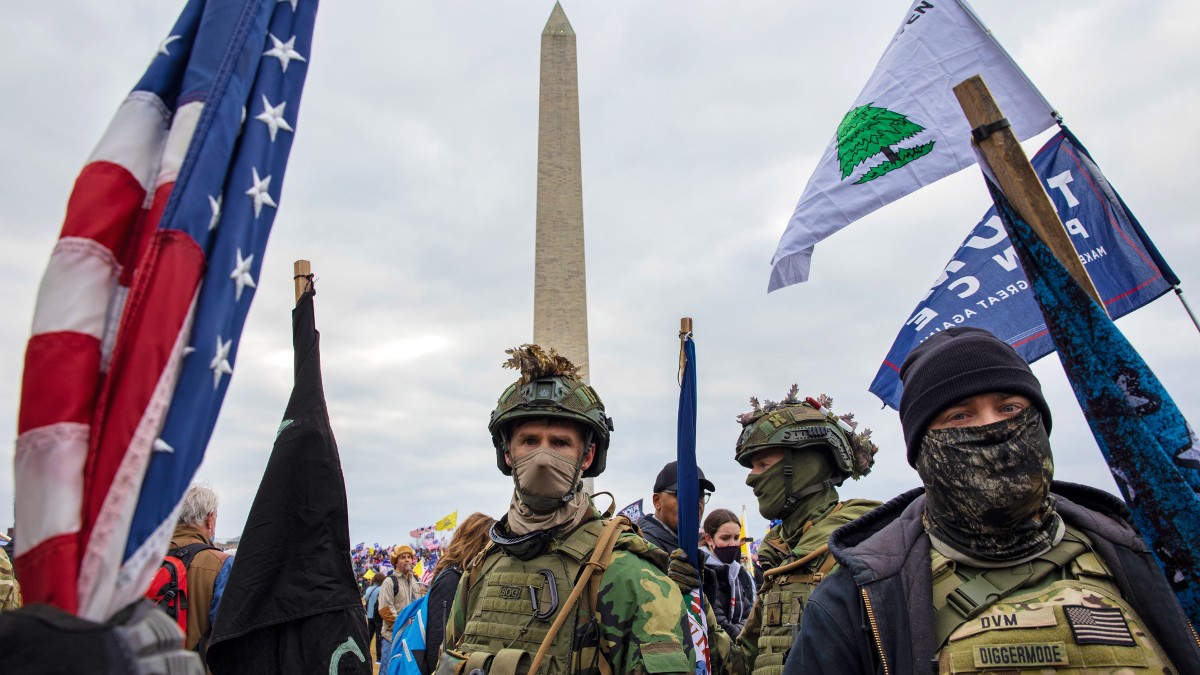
[794, 499]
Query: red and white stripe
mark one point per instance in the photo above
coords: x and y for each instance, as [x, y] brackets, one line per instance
[91, 404]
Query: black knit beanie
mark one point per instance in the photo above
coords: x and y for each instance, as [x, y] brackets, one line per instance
[958, 363]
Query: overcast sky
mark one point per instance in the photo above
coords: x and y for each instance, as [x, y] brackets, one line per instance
[411, 188]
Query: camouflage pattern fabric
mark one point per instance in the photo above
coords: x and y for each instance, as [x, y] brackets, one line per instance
[639, 624]
[765, 639]
[988, 487]
[1068, 626]
[10, 590]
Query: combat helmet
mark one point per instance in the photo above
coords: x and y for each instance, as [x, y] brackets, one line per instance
[549, 386]
[795, 424]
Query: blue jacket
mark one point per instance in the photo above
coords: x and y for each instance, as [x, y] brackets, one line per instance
[885, 554]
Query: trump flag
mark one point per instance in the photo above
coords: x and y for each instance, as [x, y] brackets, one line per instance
[136, 328]
[984, 284]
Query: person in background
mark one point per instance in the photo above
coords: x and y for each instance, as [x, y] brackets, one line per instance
[991, 565]
[399, 589]
[727, 585]
[10, 590]
[661, 527]
[373, 618]
[469, 540]
[210, 566]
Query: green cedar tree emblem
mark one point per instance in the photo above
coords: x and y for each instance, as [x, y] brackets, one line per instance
[868, 131]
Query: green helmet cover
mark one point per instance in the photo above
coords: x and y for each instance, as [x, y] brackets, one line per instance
[794, 424]
[559, 397]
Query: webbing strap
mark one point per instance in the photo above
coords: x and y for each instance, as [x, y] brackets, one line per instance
[971, 590]
[599, 561]
[510, 662]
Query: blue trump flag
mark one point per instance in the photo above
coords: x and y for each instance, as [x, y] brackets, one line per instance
[1150, 448]
[985, 286]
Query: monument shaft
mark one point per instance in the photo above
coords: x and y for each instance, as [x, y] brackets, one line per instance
[560, 279]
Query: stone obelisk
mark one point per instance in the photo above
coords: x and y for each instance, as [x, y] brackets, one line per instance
[560, 282]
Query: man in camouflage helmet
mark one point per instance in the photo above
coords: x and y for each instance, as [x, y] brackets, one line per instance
[798, 454]
[991, 565]
[550, 430]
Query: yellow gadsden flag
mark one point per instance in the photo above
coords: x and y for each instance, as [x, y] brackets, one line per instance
[448, 523]
[745, 544]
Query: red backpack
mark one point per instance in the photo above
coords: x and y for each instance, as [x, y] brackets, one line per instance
[168, 590]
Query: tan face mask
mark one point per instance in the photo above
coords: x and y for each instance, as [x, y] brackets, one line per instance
[545, 479]
[547, 492]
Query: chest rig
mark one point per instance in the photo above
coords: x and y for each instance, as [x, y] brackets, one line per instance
[786, 589]
[1068, 616]
[538, 615]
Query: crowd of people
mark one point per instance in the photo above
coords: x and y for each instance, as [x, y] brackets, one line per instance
[990, 565]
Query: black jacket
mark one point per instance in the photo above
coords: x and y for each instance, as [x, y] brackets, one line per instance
[730, 604]
[441, 597]
[655, 532]
[886, 554]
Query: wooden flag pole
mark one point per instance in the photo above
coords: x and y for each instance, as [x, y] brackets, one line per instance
[1017, 178]
[301, 269]
[685, 331]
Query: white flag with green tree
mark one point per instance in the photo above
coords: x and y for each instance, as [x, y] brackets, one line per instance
[905, 129]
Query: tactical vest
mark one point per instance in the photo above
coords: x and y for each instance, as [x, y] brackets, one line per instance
[785, 592]
[513, 602]
[1071, 620]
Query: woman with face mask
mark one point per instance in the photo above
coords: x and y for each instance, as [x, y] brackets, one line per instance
[728, 586]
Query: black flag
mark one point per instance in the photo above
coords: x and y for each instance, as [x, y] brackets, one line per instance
[291, 604]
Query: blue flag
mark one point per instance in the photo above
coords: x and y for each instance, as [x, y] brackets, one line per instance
[985, 286]
[688, 488]
[688, 497]
[1150, 448]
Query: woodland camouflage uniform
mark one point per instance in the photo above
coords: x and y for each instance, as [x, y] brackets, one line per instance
[10, 590]
[628, 617]
[641, 621]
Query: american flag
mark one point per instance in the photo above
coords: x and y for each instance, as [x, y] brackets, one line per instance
[138, 317]
[1098, 626]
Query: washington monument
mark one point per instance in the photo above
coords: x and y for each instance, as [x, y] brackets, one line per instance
[560, 281]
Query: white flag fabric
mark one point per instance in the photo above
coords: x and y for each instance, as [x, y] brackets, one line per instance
[906, 129]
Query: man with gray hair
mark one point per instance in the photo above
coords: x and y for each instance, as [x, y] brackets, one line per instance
[207, 566]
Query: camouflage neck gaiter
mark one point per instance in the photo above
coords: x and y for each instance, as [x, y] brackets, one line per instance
[771, 486]
[987, 488]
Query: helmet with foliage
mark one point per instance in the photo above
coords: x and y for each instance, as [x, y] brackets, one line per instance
[549, 387]
[795, 424]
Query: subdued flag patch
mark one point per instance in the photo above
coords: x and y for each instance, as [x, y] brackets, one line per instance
[1099, 626]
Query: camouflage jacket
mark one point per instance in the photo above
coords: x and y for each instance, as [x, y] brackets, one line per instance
[10, 590]
[641, 621]
[739, 656]
[887, 563]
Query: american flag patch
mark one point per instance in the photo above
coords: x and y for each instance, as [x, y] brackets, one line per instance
[1099, 626]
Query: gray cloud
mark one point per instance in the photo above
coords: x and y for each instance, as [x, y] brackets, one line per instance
[412, 183]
